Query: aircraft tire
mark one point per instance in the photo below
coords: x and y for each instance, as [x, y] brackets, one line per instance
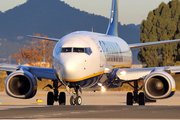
[50, 98]
[72, 100]
[78, 100]
[62, 98]
[129, 100]
[141, 98]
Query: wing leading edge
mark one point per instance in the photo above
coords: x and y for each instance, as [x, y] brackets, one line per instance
[129, 74]
[50, 39]
[140, 45]
[39, 72]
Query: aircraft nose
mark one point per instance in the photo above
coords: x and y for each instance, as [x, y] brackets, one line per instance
[72, 68]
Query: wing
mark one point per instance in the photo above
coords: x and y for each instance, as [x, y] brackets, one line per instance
[140, 73]
[50, 39]
[157, 81]
[39, 72]
[140, 45]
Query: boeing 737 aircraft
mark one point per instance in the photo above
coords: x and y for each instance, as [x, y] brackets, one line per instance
[80, 62]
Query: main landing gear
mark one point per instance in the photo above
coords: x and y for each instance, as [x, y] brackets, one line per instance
[134, 97]
[75, 99]
[53, 96]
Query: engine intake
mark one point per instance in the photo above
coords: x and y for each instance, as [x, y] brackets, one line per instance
[21, 84]
[159, 85]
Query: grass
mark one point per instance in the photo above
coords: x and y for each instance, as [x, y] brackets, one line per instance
[3, 76]
[41, 84]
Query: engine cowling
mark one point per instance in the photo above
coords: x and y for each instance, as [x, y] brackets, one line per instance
[159, 85]
[21, 84]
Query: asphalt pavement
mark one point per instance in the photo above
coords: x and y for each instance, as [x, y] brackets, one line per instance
[96, 105]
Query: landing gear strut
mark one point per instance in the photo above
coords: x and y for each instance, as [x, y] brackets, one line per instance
[134, 97]
[75, 99]
[53, 96]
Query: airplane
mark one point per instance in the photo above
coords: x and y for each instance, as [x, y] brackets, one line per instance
[85, 60]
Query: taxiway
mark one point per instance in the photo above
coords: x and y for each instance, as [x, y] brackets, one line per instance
[95, 105]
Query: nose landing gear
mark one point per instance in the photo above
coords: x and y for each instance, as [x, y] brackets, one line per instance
[75, 99]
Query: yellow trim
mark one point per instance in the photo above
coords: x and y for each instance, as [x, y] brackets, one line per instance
[173, 89]
[89, 76]
[96, 74]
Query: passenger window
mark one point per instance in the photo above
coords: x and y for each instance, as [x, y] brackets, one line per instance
[81, 50]
[88, 51]
[66, 50]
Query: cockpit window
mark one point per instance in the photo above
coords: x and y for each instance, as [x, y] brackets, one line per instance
[78, 50]
[66, 50]
[88, 51]
[81, 50]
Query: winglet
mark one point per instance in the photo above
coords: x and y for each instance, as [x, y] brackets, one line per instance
[113, 21]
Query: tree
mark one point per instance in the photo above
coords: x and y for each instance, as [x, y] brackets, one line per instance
[163, 23]
[39, 53]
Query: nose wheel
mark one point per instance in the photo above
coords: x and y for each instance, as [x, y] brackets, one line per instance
[78, 100]
[75, 99]
[72, 100]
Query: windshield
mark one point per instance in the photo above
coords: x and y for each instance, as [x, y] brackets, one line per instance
[77, 50]
[66, 50]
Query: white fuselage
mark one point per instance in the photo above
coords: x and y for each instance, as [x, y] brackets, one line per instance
[80, 58]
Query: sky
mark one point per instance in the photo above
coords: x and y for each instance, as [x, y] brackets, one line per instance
[130, 11]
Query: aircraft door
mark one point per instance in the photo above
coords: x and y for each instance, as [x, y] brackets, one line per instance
[102, 58]
[101, 54]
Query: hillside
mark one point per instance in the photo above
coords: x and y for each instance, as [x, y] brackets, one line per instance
[135, 26]
[53, 18]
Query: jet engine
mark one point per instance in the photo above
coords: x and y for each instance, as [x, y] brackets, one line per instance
[159, 85]
[21, 84]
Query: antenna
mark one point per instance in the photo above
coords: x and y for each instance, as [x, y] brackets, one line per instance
[92, 29]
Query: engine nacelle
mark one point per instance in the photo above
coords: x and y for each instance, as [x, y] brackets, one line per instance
[21, 84]
[159, 85]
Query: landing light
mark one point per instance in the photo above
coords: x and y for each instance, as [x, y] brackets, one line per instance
[107, 69]
[103, 89]
[123, 72]
[100, 84]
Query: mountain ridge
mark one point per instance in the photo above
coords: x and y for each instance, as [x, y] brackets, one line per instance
[55, 19]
